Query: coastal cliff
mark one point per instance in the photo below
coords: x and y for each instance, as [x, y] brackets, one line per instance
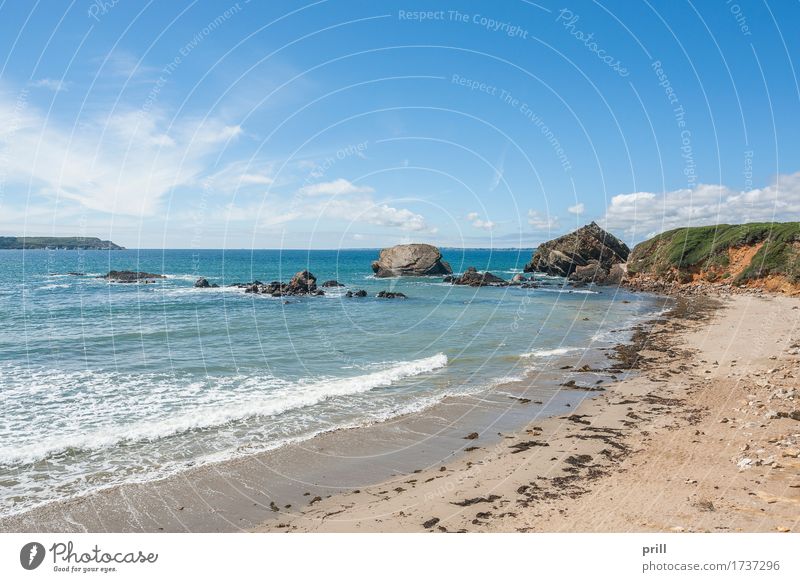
[758, 255]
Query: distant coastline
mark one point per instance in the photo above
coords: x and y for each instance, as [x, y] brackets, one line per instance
[57, 243]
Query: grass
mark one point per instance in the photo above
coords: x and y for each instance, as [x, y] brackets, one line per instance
[705, 248]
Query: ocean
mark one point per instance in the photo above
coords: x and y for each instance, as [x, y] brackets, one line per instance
[104, 383]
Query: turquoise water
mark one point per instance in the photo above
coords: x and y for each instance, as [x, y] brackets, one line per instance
[103, 383]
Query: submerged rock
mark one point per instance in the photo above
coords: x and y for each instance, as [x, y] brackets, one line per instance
[586, 255]
[360, 293]
[391, 295]
[410, 260]
[332, 283]
[130, 276]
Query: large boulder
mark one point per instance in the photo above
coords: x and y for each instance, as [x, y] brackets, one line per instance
[410, 260]
[585, 255]
[473, 278]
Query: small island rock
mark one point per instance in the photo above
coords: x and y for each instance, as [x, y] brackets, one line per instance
[410, 260]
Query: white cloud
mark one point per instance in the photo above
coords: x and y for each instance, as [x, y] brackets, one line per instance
[124, 163]
[539, 222]
[366, 210]
[475, 219]
[577, 209]
[640, 214]
[264, 215]
[54, 85]
[241, 174]
[334, 188]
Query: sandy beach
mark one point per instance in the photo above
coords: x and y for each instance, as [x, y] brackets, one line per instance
[693, 426]
[705, 438]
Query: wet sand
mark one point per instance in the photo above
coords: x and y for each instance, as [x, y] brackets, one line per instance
[705, 438]
[243, 493]
[701, 437]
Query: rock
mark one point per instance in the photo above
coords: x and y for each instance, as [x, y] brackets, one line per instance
[471, 436]
[589, 246]
[794, 415]
[391, 295]
[473, 278]
[616, 275]
[332, 283]
[519, 278]
[410, 260]
[130, 276]
[202, 283]
[302, 282]
[591, 273]
[360, 293]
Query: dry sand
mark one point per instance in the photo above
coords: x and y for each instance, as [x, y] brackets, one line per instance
[705, 438]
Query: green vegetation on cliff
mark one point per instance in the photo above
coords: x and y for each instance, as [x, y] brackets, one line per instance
[57, 242]
[740, 252]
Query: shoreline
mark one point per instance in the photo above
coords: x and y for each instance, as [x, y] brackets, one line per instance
[705, 438]
[240, 493]
[389, 477]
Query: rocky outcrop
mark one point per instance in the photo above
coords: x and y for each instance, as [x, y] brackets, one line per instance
[391, 295]
[473, 278]
[332, 283]
[410, 260]
[360, 293]
[586, 255]
[303, 283]
[202, 283]
[131, 276]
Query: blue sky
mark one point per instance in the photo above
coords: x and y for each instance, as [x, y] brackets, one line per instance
[362, 124]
